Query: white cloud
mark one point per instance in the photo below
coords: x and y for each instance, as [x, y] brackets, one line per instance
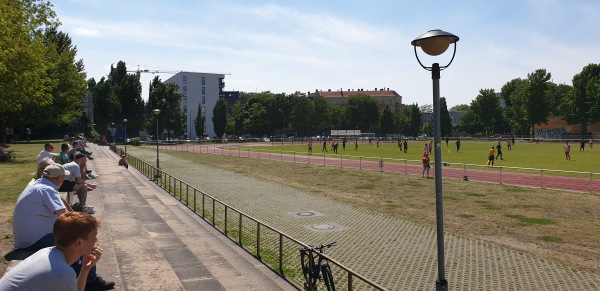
[86, 32]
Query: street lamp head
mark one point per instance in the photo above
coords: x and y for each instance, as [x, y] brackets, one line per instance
[125, 120]
[156, 111]
[434, 43]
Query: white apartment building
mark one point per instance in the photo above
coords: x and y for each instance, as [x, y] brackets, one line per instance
[199, 89]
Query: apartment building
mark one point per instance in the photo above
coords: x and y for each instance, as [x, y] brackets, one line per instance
[199, 89]
[383, 97]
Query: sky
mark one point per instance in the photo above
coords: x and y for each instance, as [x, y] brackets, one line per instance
[289, 46]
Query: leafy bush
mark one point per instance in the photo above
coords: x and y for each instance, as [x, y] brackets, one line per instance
[135, 141]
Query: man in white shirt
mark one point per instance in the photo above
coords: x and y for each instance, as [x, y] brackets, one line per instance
[75, 182]
[47, 153]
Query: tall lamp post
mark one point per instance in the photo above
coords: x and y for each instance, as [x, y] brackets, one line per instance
[112, 131]
[283, 126]
[434, 43]
[156, 112]
[125, 124]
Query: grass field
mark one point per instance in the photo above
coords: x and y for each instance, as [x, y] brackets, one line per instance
[524, 154]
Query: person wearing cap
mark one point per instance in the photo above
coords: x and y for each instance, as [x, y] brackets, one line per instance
[47, 153]
[40, 172]
[37, 208]
[74, 182]
[36, 211]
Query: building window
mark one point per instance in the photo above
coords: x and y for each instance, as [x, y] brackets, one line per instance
[185, 79]
[185, 98]
[184, 88]
[185, 108]
[390, 102]
[203, 81]
[203, 90]
[203, 99]
[343, 102]
[337, 102]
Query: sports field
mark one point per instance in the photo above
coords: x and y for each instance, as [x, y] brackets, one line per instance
[545, 155]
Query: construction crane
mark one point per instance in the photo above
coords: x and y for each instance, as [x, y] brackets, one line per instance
[139, 71]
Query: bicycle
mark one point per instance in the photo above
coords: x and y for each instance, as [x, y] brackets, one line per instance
[314, 272]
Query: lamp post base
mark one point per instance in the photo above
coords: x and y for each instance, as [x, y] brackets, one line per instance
[441, 285]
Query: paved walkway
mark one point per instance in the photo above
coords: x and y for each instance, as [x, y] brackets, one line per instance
[152, 242]
[397, 254]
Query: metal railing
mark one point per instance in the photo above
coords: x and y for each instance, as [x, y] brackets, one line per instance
[516, 176]
[277, 250]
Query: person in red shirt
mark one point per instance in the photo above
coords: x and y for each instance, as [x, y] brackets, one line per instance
[426, 165]
[567, 151]
[123, 162]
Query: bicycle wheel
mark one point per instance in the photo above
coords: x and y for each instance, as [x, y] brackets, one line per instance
[327, 277]
[305, 263]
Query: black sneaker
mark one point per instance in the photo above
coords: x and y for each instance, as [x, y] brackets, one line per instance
[77, 207]
[100, 284]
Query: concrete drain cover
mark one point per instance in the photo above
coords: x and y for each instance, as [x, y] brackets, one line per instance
[309, 213]
[326, 227]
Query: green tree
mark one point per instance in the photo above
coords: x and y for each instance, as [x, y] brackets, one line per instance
[255, 122]
[582, 105]
[25, 60]
[129, 91]
[107, 106]
[537, 97]
[362, 112]
[164, 96]
[558, 93]
[427, 128]
[200, 122]
[413, 119]
[446, 121]
[386, 122]
[220, 117]
[486, 107]
[302, 116]
[470, 123]
[514, 93]
[337, 117]
[459, 107]
[321, 122]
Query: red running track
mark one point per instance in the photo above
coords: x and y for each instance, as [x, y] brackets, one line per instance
[497, 175]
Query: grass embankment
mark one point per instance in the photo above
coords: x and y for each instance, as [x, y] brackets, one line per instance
[14, 178]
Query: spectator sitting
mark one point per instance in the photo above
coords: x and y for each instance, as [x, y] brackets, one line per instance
[74, 182]
[123, 162]
[63, 158]
[35, 214]
[6, 156]
[40, 172]
[49, 268]
[82, 146]
[47, 153]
